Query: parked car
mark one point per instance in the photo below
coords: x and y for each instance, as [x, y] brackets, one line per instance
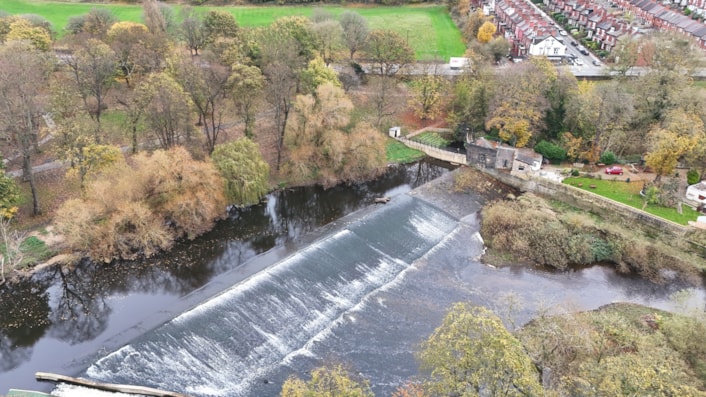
[584, 51]
[614, 170]
[597, 62]
[579, 62]
[573, 43]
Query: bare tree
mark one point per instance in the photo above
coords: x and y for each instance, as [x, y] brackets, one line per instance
[24, 73]
[355, 31]
[207, 88]
[93, 67]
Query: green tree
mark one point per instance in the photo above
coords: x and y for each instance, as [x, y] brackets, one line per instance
[244, 171]
[246, 89]
[9, 194]
[326, 382]
[220, 24]
[316, 74]
[472, 354]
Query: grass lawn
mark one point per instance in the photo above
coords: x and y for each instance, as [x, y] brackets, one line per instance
[432, 139]
[399, 153]
[428, 29]
[629, 194]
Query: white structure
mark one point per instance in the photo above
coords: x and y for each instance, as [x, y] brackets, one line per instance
[549, 46]
[459, 63]
[697, 192]
[395, 132]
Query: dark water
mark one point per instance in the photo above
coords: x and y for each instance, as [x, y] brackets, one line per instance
[60, 320]
[290, 294]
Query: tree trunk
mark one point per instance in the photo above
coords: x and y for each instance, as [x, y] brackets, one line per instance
[29, 176]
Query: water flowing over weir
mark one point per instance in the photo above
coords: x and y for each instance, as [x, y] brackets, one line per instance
[229, 344]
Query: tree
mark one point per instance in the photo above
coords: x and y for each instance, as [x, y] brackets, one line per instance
[326, 382]
[245, 172]
[93, 67]
[167, 108]
[246, 88]
[9, 194]
[220, 24]
[517, 108]
[22, 29]
[427, 96]
[193, 30]
[486, 32]
[158, 17]
[328, 39]
[316, 74]
[320, 150]
[473, 25]
[389, 53]
[678, 135]
[472, 354]
[470, 102]
[599, 114]
[94, 24]
[498, 48]
[207, 89]
[285, 48]
[24, 74]
[128, 40]
[355, 31]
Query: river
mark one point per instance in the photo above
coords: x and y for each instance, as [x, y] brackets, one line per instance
[286, 286]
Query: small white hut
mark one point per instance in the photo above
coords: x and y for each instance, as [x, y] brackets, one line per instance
[697, 192]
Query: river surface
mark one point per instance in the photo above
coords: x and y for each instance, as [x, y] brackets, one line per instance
[287, 286]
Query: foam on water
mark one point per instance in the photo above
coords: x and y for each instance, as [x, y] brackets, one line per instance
[236, 338]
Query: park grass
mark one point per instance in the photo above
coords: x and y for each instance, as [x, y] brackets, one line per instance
[629, 194]
[428, 29]
[397, 152]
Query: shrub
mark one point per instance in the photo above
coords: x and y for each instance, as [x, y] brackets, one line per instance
[140, 209]
[574, 172]
[553, 152]
[692, 177]
[608, 157]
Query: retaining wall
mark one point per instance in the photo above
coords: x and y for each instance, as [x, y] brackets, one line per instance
[431, 151]
[589, 201]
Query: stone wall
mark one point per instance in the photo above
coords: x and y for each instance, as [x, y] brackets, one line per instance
[591, 202]
[431, 151]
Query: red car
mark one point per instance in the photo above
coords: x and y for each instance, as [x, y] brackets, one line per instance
[614, 171]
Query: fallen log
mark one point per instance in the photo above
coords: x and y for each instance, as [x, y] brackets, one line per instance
[128, 389]
[382, 200]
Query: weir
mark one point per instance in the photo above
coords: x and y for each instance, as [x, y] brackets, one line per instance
[233, 341]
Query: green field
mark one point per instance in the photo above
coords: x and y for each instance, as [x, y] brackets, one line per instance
[428, 29]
